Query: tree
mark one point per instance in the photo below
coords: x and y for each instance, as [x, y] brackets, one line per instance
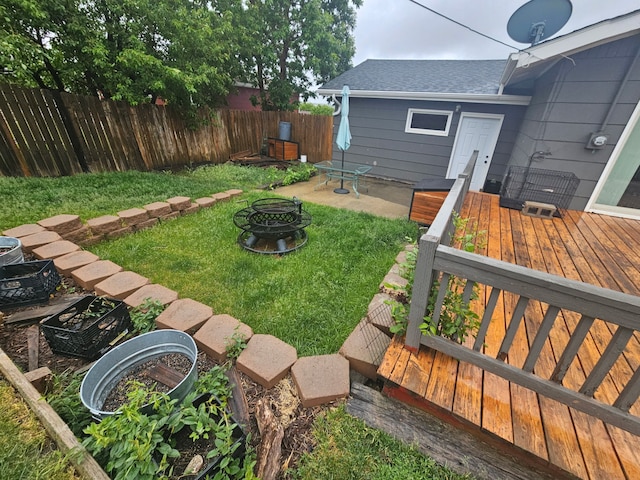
[297, 43]
[133, 50]
[189, 52]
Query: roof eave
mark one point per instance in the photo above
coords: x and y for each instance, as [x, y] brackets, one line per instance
[563, 46]
[434, 96]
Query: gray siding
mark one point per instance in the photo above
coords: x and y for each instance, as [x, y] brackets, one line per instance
[379, 139]
[569, 102]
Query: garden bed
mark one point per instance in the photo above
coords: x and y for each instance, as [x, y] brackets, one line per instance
[296, 420]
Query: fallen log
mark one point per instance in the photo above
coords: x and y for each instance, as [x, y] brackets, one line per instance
[270, 448]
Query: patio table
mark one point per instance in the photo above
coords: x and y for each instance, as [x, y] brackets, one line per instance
[338, 171]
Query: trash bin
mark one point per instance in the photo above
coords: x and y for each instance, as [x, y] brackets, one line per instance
[284, 132]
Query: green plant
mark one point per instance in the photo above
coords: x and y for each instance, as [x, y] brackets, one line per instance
[62, 394]
[235, 345]
[298, 173]
[143, 317]
[456, 318]
[125, 443]
[400, 305]
[140, 445]
[316, 109]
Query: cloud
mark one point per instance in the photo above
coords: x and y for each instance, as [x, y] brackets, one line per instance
[403, 30]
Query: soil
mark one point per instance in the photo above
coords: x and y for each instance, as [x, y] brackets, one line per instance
[118, 395]
[285, 403]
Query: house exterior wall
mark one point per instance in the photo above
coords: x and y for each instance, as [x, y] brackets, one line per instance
[242, 99]
[379, 138]
[572, 100]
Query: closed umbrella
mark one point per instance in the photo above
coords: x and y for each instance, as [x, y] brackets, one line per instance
[343, 139]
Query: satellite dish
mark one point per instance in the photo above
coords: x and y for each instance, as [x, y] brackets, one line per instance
[538, 19]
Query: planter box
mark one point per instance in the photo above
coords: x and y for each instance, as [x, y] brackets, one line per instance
[86, 328]
[27, 283]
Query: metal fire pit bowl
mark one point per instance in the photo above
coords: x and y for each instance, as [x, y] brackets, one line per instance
[272, 225]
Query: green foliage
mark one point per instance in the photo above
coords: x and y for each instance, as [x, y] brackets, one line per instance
[293, 44]
[137, 445]
[125, 443]
[143, 317]
[235, 345]
[457, 319]
[349, 450]
[64, 397]
[133, 50]
[316, 109]
[190, 53]
[298, 173]
[400, 305]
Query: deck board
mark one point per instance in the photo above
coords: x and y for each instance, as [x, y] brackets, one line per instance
[596, 249]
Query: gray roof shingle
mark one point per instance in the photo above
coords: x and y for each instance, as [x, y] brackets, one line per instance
[437, 76]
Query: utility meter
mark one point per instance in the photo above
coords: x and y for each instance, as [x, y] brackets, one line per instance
[597, 141]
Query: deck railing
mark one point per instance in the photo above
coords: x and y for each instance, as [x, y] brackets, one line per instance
[546, 303]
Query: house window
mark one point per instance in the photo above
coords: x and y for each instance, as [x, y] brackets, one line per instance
[428, 122]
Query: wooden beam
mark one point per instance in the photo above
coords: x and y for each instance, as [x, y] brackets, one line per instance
[84, 463]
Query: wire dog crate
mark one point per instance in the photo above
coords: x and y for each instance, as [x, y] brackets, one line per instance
[522, 184]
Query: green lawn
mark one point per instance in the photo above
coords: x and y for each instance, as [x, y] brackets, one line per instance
[27, 200]
[311, 298]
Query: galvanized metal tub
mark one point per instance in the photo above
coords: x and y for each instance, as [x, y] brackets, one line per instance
[10, 251]
[105, 374]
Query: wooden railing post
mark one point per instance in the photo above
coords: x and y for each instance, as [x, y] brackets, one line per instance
[422, 281]
[440, 231]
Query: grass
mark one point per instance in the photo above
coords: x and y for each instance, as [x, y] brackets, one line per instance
[312, 298]
[347, 449]
[28, 200]
[26, 452]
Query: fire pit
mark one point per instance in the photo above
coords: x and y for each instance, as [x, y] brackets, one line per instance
[272, 225]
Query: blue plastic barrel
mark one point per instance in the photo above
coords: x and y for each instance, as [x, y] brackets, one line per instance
[284, 132]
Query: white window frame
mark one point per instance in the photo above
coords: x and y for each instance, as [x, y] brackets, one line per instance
[423, 131]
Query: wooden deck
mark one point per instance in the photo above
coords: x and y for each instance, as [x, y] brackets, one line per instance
[596, 249]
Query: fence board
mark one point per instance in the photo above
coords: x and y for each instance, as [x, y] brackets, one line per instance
[104, 135]
[62, 144]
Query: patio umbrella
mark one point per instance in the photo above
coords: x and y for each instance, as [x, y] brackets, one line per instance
[343, 139]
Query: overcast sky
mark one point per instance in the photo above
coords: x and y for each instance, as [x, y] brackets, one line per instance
[400, 29]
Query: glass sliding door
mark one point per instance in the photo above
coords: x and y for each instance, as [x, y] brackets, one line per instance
[618, 191]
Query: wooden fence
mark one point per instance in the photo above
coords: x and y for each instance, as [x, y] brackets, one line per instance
[48, 133]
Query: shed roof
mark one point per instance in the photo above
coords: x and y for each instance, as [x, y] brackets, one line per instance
[441, 76]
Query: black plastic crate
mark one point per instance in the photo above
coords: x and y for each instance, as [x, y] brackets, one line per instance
[522, 184]
[27, 283]
[82, 330]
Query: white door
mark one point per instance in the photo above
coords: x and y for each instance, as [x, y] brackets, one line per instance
[476, 131]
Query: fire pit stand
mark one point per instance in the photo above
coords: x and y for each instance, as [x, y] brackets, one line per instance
[272, 225]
